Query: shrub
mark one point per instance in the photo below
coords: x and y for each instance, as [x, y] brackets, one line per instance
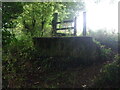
[7, 38]
[17, 62]
[105, 53]
[110, 39]
[109, 76]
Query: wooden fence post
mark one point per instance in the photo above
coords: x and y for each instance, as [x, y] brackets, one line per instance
[54, 23]
[75, 31]
[84, 23]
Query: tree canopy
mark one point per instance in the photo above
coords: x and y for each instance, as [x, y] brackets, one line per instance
[35, 17]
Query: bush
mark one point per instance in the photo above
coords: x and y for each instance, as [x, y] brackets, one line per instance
[17, 62]
[105, 53]
[21, 60]
[109, 76]
[7, 38]
[110, 39]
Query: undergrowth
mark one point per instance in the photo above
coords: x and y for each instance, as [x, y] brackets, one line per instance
[109, 77]
[21, 61]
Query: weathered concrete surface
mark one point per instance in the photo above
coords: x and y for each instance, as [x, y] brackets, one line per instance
[77, 47]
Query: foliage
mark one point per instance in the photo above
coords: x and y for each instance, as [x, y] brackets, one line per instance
[109, 39]
[16, 62]
[21, 61]
[7, 37]
[22, 21]
[105, 53]
[10, 11]
[109, 76]
[25, 20]
[36, 17]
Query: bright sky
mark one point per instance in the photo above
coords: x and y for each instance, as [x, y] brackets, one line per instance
[102, 15]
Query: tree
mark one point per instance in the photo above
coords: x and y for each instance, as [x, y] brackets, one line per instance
[36, 17]
[42, 14]
[10, 11]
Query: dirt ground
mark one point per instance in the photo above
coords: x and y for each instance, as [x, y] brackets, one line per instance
[81, 76]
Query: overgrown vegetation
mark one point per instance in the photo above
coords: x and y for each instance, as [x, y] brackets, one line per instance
[109, 39]
[21, 62]
[109, 77]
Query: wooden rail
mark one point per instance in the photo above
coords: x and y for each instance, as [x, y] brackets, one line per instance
[64, 28]
[55, 29]
[68, 21]
[54, 25]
